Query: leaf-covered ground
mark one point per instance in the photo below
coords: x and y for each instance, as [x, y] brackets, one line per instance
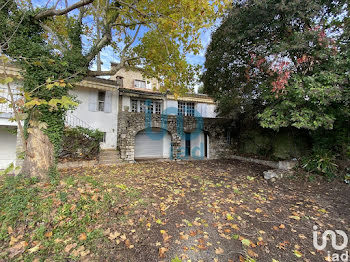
[168, 211]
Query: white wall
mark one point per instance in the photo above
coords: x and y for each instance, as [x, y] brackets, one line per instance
[197, 144]
[211, 111]
[126, 102]
[173, 105]
[7, 147]
[5, 109]
[105, 122]
[166, 145]
[206, 110]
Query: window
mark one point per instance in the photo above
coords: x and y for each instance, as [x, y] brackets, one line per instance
[139, 84]
[185, 108]
[149, 105]
[157, 108]
[101, 100]
[103, 139]
[143, 106]
[181, 108]
[133, 105]
[190, 109]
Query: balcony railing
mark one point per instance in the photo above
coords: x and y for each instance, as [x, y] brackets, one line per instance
[5, 107]
[73, 121]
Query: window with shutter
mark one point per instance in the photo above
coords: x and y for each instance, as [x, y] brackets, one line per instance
[93, 101]
[101, 100]
[108, 102]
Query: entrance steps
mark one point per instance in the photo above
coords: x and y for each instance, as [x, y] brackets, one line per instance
[108, 157]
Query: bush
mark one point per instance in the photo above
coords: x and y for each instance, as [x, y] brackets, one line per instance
[80, 143]
[321, 162]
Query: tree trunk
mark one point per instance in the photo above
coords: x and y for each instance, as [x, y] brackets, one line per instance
[39, 156]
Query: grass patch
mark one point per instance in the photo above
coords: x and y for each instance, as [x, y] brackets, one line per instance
[63, 218]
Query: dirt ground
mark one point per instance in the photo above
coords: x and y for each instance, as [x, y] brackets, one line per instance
[217, 211]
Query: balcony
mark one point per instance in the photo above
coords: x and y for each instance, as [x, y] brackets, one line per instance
[5, 109]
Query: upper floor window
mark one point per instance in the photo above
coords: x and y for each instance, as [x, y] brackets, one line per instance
[185, 108]
[101, 100]
[149, 106]
[133, 105]
[139, 84]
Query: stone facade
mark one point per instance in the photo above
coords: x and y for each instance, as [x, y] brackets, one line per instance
[129, 76]
[129, 124]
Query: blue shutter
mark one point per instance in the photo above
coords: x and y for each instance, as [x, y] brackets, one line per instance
[108, 102]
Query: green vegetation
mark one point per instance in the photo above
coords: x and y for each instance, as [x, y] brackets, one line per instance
[285, 64]
[80, 143]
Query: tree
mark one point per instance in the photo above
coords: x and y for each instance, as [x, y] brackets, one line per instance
[282, 63]
[55, 45]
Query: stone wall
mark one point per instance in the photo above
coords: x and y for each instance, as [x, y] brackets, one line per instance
[130, 75]
[129, 124]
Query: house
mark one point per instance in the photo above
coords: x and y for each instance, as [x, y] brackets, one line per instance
[137, 119]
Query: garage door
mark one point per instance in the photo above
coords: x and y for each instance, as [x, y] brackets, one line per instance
[7, 147]
[149, 144]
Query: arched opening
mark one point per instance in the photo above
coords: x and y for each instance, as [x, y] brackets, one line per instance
[152, 143]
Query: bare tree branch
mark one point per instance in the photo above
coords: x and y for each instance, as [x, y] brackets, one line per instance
[14, 32]
[132, 7]
[4, 4]
[47, 28]
[129, 25]
[133, 39]
[105, 40]
[114, 69]
[54, 12]
[123, 59]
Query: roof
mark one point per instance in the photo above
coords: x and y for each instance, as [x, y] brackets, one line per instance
[111, 85]
[187, 97]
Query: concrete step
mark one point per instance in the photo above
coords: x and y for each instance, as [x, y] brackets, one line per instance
[108, 157]
[108, 153]
[109, 162]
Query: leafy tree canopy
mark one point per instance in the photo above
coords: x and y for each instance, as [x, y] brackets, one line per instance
[283, 62]
[56, 42]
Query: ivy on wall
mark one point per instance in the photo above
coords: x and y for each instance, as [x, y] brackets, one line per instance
[47, 75]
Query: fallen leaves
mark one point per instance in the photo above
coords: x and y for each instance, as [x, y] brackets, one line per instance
[34, 249]
[69, 247]
[297, 253]
[219, 251]
[82, 237]
[162, 251]
[17, 249]
[114, 235]
[230, 211]
[251, 253]
[246, 242]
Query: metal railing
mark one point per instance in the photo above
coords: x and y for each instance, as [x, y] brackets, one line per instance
[73, 121]
[5, 107]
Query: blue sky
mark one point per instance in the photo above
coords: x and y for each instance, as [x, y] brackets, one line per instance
[108, 55]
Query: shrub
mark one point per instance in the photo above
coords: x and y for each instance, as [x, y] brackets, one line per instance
[321, 162]
[80, 143]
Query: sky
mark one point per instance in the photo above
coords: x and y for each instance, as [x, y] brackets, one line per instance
[108, 55]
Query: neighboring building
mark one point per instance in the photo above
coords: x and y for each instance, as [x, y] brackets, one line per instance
[138, 120]
[8, 129]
